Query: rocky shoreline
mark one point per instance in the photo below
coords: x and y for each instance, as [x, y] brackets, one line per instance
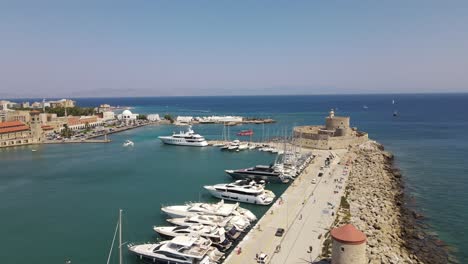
[375, 203]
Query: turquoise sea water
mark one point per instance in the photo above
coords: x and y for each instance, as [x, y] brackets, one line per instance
[61, 202]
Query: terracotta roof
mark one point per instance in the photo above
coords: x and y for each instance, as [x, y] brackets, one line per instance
[47, 127]
[13, 129]
[11, 124]
[348, 234]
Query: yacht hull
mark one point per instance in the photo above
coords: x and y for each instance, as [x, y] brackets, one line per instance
[181, 142]
[269, 178]
[239, 197]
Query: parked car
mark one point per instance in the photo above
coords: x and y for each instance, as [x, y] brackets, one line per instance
[279, 232]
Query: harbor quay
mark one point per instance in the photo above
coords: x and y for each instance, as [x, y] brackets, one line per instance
[305, 212]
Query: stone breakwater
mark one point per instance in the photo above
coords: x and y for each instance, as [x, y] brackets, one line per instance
[374, 202]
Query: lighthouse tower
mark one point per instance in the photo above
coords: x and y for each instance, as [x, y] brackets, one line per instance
[349, 245]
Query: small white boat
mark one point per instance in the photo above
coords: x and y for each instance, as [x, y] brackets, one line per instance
[33, 150]
[252, 147]
[243, 147]
[128, 143]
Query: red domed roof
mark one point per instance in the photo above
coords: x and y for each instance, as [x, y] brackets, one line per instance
[348, 234]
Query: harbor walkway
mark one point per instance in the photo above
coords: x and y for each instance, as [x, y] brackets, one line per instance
[306, 212]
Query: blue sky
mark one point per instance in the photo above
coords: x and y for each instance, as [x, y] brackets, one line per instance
[150, 48]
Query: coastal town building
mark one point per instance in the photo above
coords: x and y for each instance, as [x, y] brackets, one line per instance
[336, 134]
[184, 119]
[62, 103]
[127, 117]
[348, 246]
[17, 115]
[153, 117]
[16, 133]
[83, 122]
[108, 115]
[45, 118]
[5, 104]
[219, 119]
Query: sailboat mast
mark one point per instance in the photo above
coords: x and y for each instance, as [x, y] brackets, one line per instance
[120, 236]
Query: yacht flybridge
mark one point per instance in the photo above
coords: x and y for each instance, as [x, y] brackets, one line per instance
[222, 209]
[188, 138]
[247, 191]
[179, 250]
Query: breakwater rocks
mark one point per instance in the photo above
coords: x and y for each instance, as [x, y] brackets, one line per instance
[375, 203]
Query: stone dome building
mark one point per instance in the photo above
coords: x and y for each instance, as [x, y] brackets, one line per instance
[349, 245]
[127, 116]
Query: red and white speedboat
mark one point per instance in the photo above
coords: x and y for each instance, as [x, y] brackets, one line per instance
[245, 133]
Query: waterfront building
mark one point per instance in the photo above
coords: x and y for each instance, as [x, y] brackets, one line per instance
[153, 117]
[219, 119]
[184, 119]
[108, 115]
[336, 134]
[14, 133]
[348, 246]
[83, 122]
[127, 117]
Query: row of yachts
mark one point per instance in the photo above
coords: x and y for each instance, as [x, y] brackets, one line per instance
[201, 233]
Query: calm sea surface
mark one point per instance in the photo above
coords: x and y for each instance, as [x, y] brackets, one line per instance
[61, 202]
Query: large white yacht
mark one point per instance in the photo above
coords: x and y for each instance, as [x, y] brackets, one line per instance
[220, 208]
[247, 191]
[216, 234]
[188, 138]
[179, 250]
[240, 222]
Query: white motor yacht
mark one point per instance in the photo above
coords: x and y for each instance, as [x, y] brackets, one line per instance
[247, 191]
[179, 250]
[240, 222]
[188, 138]
[128, 143]
[216, 234]
[220, 208]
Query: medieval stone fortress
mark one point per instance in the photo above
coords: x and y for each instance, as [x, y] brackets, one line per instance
[336, 134]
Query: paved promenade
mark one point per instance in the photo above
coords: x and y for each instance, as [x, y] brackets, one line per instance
[306, 212]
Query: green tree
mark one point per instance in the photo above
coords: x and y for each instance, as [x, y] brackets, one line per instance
[169, 117]
[142, 117]
[66, 131]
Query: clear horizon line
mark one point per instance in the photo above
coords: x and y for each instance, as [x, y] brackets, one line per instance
[238, 95]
